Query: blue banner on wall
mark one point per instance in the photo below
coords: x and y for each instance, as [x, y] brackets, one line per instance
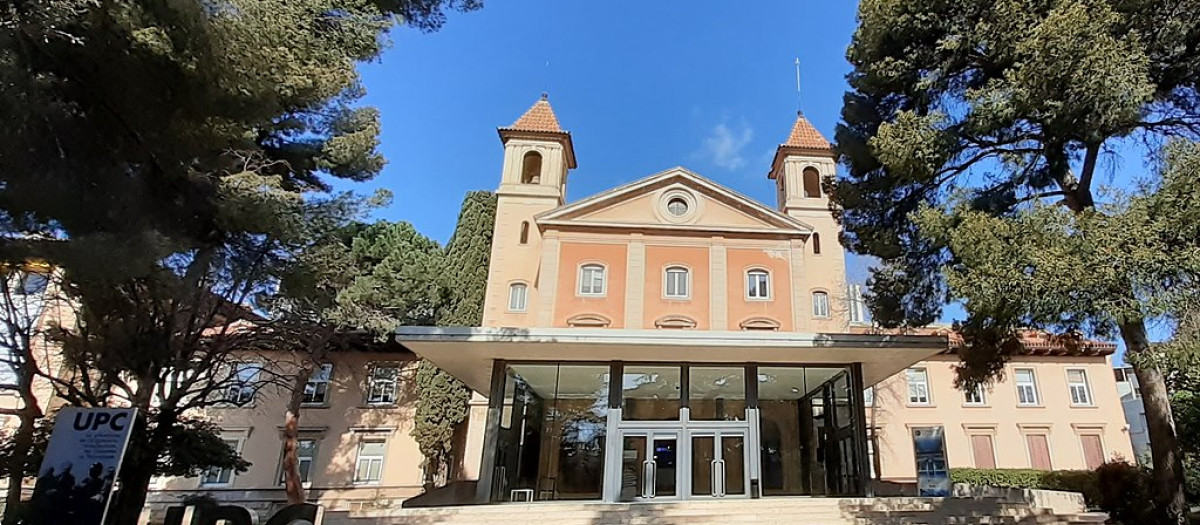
[933, 476]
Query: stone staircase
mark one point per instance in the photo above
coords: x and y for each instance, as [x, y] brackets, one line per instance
[789, 511]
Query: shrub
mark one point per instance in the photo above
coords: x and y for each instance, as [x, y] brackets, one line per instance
[1125, 492]
[1081, 481]
[1003, 478]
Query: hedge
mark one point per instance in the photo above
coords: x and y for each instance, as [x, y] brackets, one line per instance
[1082, 481]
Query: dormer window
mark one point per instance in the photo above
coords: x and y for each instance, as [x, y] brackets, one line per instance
[531, 168]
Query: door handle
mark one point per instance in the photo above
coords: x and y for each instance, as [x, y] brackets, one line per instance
[721, 468]
[647, 479]
[715, 470]
[653, 491]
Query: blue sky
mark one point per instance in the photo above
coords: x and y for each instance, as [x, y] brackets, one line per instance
[642, 86]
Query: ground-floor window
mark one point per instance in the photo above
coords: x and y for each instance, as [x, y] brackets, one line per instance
[551, 437]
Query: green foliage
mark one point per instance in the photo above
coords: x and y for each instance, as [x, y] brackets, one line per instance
[174, 158]
[1002, 478]
[397, 281]
[1126, 493]
[442, 399]
[987, 106]
[403, 278]
[1081, 481]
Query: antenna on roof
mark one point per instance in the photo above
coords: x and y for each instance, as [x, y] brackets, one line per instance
[546, 80]
[799, 100]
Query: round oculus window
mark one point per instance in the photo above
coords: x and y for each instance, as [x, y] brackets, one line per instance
[677, 207]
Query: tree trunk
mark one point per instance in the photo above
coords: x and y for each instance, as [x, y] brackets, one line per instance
[292, 483]
[28, 415]
[1168, 489]
[22, 446]
[126, 506]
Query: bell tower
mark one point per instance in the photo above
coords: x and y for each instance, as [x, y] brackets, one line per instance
[801, 164]
[538, 153]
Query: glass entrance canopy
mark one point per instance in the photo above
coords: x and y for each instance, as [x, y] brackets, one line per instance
[629, 431]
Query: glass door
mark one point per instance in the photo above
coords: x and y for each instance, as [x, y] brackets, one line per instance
[649, 465]
[719, 464]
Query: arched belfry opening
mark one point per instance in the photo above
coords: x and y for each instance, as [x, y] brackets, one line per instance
[812, 183]
[531, 168]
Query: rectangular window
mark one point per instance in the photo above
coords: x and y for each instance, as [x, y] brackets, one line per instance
[368, 467]
[820, 306]
[1039, 451]
[758, 284]
[215, 476]
[983, 450]
[918, 386]
[1027, 393]
[974, 396]
[1093, 450]
[869, 397]
[591, 280]
[676, 285]
[316, 391]
[381, 386]
[306, 454]
[243, 383]
[1077, 383]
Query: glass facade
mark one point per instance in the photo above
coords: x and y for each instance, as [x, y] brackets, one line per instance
[675, 431]
[551, 435]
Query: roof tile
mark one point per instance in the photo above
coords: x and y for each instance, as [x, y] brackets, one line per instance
[804, 135]
[540, 117]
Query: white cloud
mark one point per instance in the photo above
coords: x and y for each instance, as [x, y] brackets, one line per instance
[724, 144]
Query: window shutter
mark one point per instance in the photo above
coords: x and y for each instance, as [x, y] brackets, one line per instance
[985, 455]
[1039, 451]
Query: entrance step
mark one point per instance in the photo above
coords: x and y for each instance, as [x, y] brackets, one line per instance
[782, 511]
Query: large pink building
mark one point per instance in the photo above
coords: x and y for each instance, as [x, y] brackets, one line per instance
[673, 339]
[669, 339]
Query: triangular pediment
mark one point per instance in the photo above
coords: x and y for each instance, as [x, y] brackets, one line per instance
[675, 199]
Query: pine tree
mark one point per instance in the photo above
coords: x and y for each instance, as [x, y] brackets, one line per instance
[1001, 105]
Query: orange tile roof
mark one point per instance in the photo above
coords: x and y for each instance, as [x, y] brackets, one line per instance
[804, 135]
[1033, 342]
[540, 117]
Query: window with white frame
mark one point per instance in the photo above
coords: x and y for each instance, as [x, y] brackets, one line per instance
[216, 476]
[591, 279]
[1077, 383]
[243, 383]
[518, 297]
[820, 304]
[368, 466]
[382, 384]
[974, 395]
[306, 455]
[918, 386]
[1027, 393]
[676, 284]
[316, 390]
[758, 284]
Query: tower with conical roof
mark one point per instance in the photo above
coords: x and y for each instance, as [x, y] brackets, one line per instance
[538, 153]
[804, 160]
